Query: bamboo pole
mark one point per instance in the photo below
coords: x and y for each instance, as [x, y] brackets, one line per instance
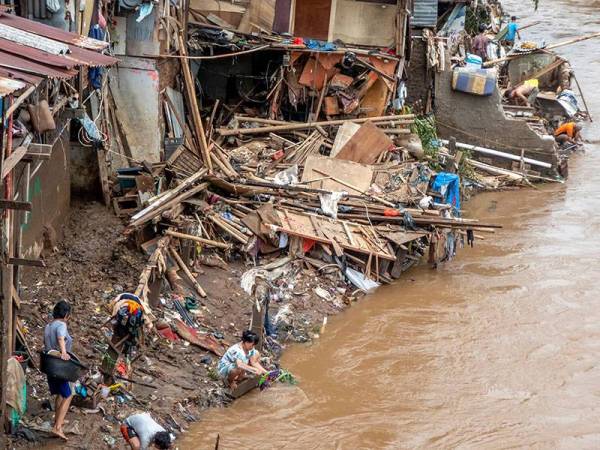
[402, 119]
[348, 185]
[187, 272]
[195, 110]
[583, 99]
[204, 241]
[547, 48]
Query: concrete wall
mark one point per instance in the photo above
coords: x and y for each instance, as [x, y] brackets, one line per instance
[365, 23]
[135, 87]
[419, 80]
[50, 195]
[85, 174]
[478, 120]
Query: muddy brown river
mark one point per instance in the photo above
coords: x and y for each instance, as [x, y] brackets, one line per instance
[497, 349]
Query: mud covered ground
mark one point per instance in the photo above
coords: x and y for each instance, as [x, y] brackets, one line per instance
[95, 262]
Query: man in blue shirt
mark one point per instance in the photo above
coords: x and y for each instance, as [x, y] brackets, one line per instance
[513, 30]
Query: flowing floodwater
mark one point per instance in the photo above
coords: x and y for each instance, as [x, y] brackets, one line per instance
[499, 348]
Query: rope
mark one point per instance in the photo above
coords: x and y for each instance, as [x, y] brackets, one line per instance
[225, 55]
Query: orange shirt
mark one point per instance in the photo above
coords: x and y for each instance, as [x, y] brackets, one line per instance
[566, 128]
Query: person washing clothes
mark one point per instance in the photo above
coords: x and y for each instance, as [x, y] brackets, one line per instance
[568, 133]
[240, 359]
[141, 431]
[57, 339]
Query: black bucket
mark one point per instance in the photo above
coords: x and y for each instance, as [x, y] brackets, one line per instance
[55, 367]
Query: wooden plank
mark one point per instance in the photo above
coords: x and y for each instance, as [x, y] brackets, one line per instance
[310, 226]
[187, 272]
[355, 174]
[12, 160]
[26, 262]
[17, 205]
[194, 107]
[365, 145]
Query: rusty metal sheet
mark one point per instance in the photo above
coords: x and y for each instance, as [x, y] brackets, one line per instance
[89, 57]
[25, 65]
[34, 54]
[8, 86]
[20, 76]
[76, 57]
[52, 33]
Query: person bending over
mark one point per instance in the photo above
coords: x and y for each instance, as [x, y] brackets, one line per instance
[240, 359]
[568, 133]
[521, 94]
[58, 340]
[141, 431]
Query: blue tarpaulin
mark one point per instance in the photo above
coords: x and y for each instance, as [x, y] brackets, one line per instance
[448, 185]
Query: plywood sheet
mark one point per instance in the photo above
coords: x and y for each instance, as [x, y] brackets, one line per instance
[355, 174]
[376, 99]
[366, 145]
[345, 132]
[347, 235]
[311, 19]
[365, 23]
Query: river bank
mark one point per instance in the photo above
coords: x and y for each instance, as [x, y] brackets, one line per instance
[501, 355]
[91, 274]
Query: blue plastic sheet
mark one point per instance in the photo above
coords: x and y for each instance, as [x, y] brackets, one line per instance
[313, 44]
[448, 185]
[95, 73]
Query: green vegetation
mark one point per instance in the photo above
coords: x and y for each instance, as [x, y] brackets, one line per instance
[425, 128]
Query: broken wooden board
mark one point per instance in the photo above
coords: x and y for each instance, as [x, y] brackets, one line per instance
[376, 98]
[205, 342]
[366, 145]
[399, 237]
[352, 236]
[245, 386]
[358, 175]
[344, 134]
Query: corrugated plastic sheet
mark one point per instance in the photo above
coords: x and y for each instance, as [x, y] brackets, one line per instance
[8, 86]
[425, 13]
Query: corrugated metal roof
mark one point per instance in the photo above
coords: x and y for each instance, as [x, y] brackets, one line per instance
[21, 76]
[36, 55]
[52, 33]
[8, 86]
[25, 65]
[425, 13]
[31, 51]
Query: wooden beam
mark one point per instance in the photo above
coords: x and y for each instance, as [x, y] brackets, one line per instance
[13, 159]
[187, 272]
[26, 262]
[18, 101]
[208, 242]
[193, 105]
[13, 204]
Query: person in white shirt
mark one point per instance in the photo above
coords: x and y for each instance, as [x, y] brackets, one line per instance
[240, 359]
[141, 431]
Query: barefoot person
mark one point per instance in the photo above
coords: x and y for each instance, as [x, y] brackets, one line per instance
[141, 431]
[240, 359]
[57, 339]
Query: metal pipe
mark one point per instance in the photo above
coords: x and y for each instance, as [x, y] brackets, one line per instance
[489, 151]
